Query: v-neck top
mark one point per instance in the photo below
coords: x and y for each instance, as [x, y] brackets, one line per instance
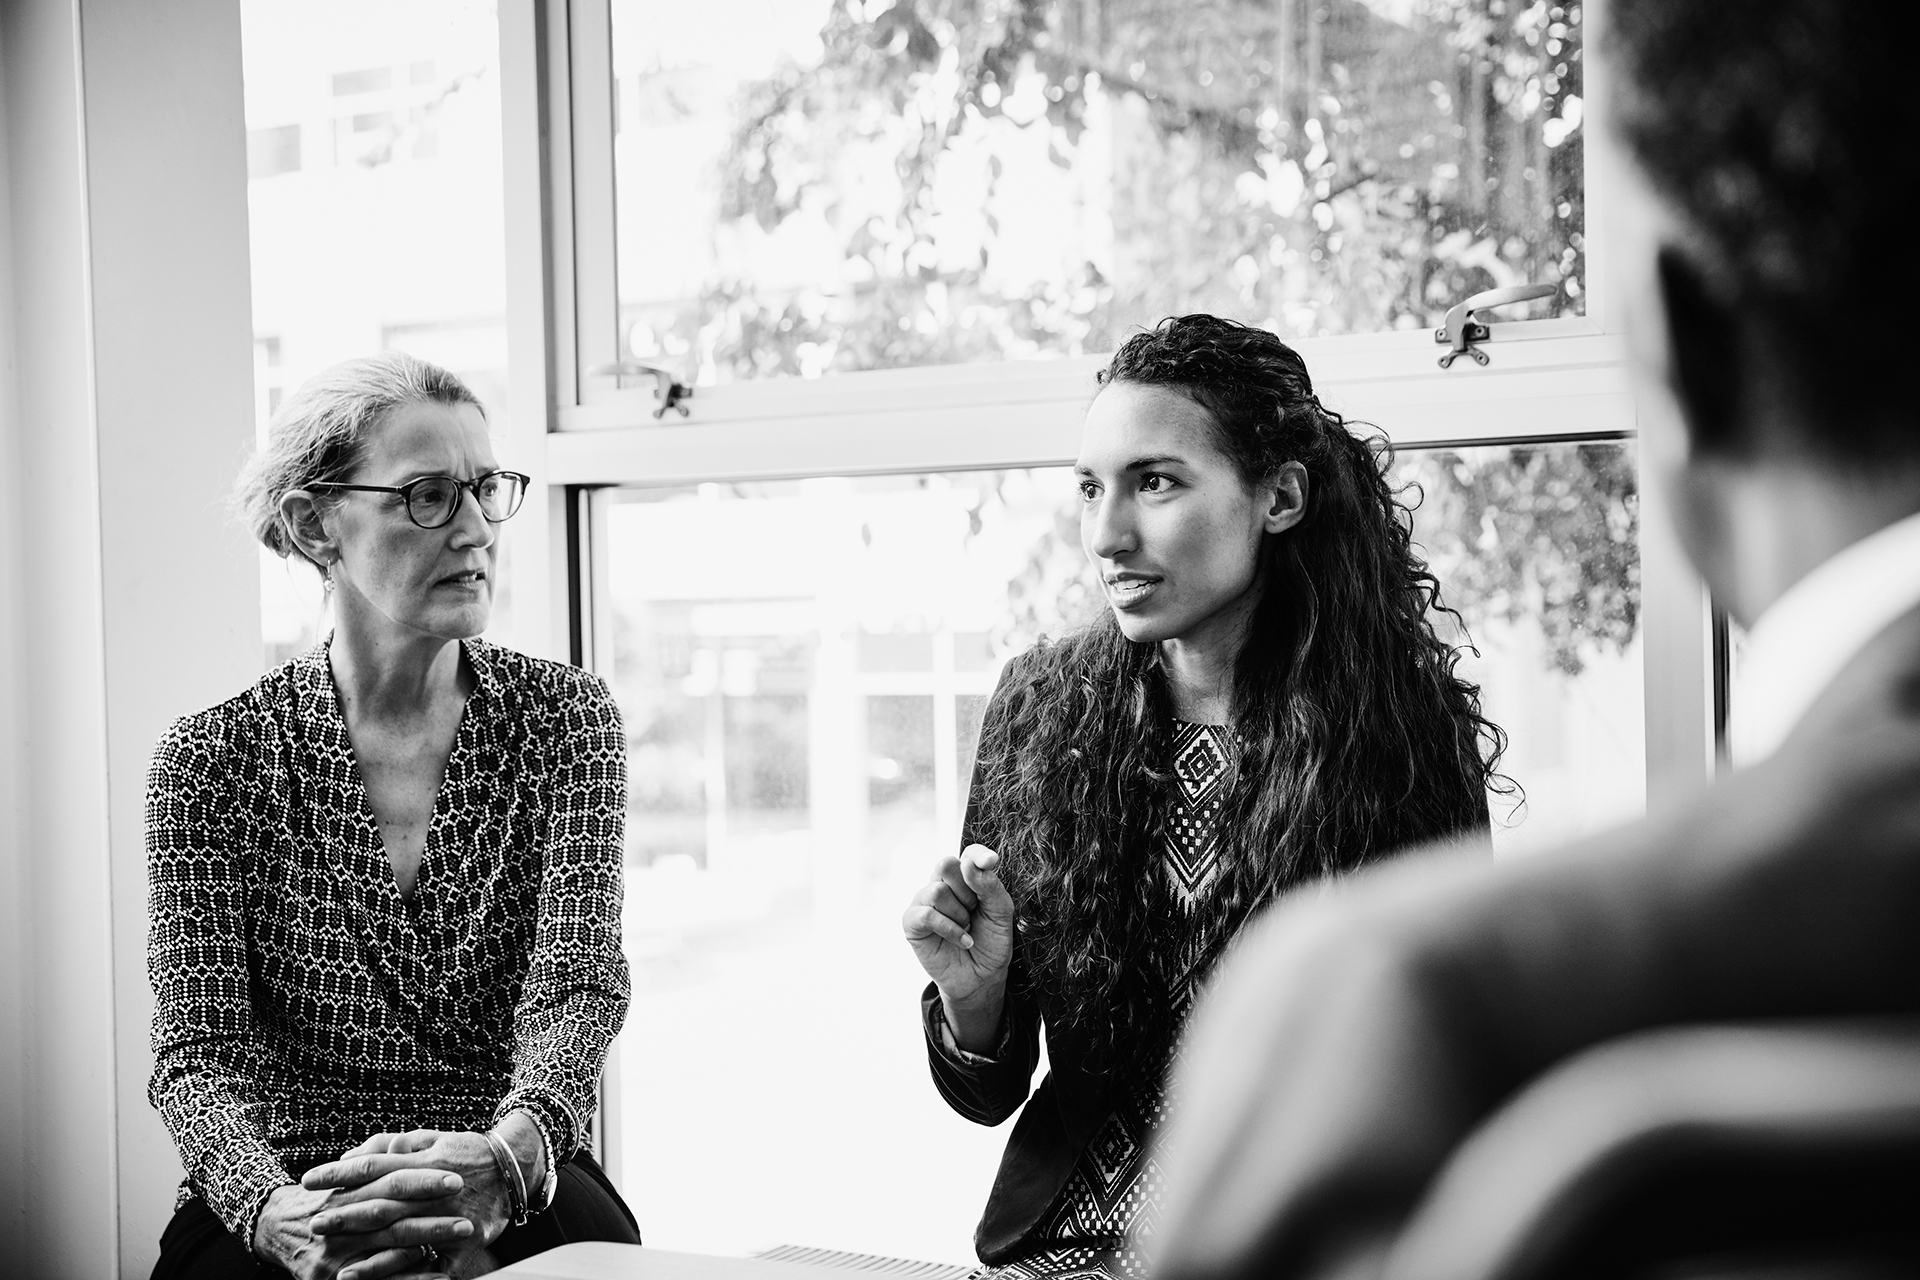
[301, 1005]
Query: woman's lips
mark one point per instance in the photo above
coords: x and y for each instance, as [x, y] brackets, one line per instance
[1130, 592]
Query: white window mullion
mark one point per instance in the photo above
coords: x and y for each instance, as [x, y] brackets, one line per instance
[995, 416]
[595, 274]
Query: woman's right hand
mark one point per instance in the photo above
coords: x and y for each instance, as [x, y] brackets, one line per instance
[370, 1190]
[282, 1234]
[960, 925]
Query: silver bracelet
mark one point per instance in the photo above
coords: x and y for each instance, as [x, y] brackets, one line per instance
[510, 1174]
[551, 1156]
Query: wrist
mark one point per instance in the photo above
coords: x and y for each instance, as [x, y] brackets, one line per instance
[513, 1180]
[975, 1019]
[526, 1143]
[285, 1203]
[522, 1136]
[258, 1236]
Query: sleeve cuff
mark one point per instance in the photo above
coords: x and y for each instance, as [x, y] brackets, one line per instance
[940, 1034]
[238, 1200]
[250, 1224]
[559, 1131]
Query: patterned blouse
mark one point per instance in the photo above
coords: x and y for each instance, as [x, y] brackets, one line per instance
[301, 1005]
[1112, 1197]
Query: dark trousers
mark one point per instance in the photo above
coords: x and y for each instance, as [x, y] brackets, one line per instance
[195, 1246]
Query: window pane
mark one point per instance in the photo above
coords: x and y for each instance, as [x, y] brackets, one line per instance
[806, 186]
[272, 152]
[801, 726]
[802, 679]
[375, 213]
[1537, 546]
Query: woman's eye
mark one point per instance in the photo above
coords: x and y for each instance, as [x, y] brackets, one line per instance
[1088, 491]
[1154, 482]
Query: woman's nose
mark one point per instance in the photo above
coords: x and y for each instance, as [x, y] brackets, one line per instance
[470, 527]
[1110, 531]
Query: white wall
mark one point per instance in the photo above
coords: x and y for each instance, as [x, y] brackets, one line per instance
[131, 599]
[62, 1174]
[173, 382]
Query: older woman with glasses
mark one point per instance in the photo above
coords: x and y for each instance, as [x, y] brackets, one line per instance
[385, 943]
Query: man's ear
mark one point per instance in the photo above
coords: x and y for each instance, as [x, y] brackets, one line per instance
[1287, 494]
[1704, 354]
[306, 524]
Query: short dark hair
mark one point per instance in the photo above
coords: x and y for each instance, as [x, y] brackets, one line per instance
[1782, 133]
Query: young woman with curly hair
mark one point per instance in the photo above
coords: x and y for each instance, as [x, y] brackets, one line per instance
[1264, 703]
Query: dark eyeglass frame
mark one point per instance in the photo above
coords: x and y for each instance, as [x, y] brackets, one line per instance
[406, 492]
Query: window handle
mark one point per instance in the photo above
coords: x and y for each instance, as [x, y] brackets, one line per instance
[1462, 330]
[668, 392]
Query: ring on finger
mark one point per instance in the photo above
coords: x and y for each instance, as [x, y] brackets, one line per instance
[428, 1254]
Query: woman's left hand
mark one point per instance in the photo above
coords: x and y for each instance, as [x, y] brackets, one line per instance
[361, 1180]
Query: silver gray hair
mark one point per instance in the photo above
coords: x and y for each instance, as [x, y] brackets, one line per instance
[322, 431]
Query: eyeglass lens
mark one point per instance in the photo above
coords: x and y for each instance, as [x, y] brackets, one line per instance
[433, 502]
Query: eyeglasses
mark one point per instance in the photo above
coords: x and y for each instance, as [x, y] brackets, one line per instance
[433, 501]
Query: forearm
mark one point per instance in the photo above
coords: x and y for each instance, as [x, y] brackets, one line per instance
[574, 1000]
[228, 1161]
[573, 1003]
[205, 1040]
[558, 1056]
[976, 1020]
[205, 1086]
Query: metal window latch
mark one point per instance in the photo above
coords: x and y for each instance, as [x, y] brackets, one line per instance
[1462, 329]
[668, 392]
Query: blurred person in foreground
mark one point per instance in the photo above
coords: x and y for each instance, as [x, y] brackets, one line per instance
[1263, 702]
[1766, 245]
[385, 882]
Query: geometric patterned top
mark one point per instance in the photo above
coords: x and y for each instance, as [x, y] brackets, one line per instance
[1112, 1198]
[301, 1005]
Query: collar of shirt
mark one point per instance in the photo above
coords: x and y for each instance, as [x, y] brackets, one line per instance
[1819, 625]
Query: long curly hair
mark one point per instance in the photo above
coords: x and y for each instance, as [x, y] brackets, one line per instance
[1355, 736]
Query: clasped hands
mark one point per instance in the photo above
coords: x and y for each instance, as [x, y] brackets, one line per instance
[425, 1203]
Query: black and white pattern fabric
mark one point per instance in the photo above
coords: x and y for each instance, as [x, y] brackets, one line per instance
[301, 1005]
[1111, 1201]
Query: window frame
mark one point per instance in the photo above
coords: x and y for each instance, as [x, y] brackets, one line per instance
[578, 431]
[1547, 379]
[589, 341]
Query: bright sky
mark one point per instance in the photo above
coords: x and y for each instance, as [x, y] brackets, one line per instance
[744, 39]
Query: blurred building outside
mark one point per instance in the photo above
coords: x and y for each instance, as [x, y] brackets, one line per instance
[373, 149]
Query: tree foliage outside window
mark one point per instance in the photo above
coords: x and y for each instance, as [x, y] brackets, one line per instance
[1548, 532]
[925, 182]
[950, 181]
